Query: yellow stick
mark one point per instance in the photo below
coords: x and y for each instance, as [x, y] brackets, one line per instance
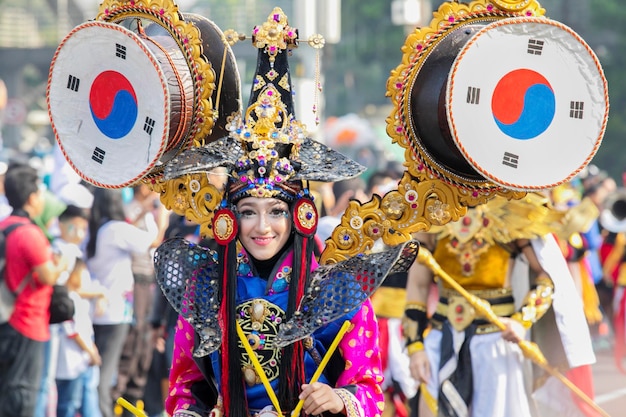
[259, 370]
[219, 84]
[529, 349]
[430, 402]
[324, 362]
[127, 405]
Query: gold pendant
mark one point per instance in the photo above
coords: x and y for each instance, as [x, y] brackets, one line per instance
[460, 313]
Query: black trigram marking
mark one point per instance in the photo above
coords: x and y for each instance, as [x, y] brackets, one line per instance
[148, 125]
[510, 159]
[98, 155]
[73, 83]
[576, 109]
[120, 51]
[473, 95]
[535, 46]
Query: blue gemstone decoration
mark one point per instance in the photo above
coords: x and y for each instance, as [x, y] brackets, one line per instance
[244, 268]
[279, 285]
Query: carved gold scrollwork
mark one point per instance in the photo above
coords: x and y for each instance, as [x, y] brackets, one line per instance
[192, 196]
[415, 206]
[516, 5]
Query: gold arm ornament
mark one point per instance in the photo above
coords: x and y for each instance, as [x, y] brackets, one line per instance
[482, 307]
[536, 303]
[414, 324]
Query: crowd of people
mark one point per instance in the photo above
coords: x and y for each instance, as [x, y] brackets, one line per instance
[99, 244]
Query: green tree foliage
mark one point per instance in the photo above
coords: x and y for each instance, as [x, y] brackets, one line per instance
[601, 23]
[608, 39]
[356, 69]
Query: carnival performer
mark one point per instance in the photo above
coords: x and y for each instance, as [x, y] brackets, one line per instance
[613, 255]
[576, 245]
[258, 317]
[466, 365]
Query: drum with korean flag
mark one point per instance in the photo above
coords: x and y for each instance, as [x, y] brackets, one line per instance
[526, 103]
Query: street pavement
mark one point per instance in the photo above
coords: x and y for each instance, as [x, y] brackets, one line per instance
[609, 383]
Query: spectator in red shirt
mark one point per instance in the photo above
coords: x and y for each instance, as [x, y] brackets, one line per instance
[31, 270]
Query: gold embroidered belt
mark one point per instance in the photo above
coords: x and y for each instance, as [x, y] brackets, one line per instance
[455, 309]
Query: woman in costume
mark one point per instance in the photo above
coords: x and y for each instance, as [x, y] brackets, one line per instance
[466, 365]
[258, 316]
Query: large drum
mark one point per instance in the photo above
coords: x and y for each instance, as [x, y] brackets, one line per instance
[126, 95]
[520, 102]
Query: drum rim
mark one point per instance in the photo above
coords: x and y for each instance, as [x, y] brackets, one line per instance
[188, 37]
[165, 134]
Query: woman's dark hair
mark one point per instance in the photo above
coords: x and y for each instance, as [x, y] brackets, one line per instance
[20, 182]
[108, 205]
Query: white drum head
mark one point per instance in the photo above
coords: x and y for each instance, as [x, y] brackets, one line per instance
[110, 114]
[527, 103]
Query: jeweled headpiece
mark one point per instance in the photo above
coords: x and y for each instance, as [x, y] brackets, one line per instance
[271, 139]
[267, 151]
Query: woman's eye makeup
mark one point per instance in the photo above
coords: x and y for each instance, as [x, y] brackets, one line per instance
[246, 214]
[276, 213]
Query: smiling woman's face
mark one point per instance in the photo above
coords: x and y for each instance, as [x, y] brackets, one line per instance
[264, 226]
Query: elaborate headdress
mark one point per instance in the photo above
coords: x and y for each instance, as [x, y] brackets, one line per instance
[268, 155]
[267, 151]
